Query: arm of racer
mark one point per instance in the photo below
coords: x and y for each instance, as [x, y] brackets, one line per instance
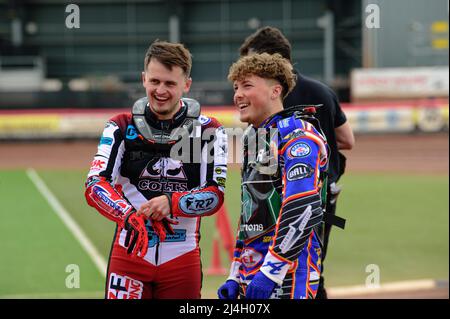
[208, 198]
[304, 157]
[344, 137]
[109, 202]
[230, 289]
[202, 201]
[107, 198]
[199, 201]
[100, 192]
[158, 211]
[156, 208]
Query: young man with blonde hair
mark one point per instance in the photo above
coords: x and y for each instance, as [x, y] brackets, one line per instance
[277, 252]
[332, 119]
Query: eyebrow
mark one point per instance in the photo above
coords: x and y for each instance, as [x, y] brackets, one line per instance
[167, 82]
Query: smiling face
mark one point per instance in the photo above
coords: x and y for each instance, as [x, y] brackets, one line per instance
[257, 98]
[164, 88]
[260, 81]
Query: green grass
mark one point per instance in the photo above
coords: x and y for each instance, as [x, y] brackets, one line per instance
[397, 223]
[36, 246]
[68, 187]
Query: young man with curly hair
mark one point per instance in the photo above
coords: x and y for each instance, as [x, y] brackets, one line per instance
[332, 119]
[277, 253]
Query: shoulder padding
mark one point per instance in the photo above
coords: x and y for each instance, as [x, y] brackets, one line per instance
[121, 120]
[193, 106]
[139, 106]
[289, 124]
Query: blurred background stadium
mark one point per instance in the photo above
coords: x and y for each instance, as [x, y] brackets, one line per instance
[62, 75]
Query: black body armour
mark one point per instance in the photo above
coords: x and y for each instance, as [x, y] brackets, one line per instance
[149, 143]
[261, 197]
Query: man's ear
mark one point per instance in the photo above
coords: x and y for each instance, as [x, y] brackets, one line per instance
[143, 77]
[187, 85]
[277, 90]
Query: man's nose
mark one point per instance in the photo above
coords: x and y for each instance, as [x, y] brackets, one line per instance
[160, 88]
[237, 95]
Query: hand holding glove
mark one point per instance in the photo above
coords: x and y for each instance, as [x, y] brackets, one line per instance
[260, 287]
[229, 290]
[136, 240]
[163, 226]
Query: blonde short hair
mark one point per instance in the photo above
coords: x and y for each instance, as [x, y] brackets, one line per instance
[264, 65]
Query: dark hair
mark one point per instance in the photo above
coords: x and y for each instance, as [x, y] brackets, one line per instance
[269, 40]
[170, 54]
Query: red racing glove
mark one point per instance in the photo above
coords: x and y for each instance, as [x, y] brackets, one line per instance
[136, 240]
[164, 226]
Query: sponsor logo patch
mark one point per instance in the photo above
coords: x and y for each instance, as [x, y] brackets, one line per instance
[166, 187]
[153, 239]
[267, 239]
[299, 171]
[106, 141]
[294, 134]
[275, 268]
[167, 168]
[198, 203]
[223, 150]
[284, 123]
[124, 287]
[221, 181]
[164, 167]
[204, 119]
[299, 149]
[120, 206]
[250, 257]
[131, 132]
[97, 165]
[252, 227]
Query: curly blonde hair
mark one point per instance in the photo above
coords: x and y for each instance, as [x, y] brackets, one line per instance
[265, 66]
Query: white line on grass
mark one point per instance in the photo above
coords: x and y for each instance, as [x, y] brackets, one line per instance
[70, 223]
[383, 288]
[334, 292]
[58, 295]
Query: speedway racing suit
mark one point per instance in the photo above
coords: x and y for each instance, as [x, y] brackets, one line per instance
[133, 164]
[281, 205]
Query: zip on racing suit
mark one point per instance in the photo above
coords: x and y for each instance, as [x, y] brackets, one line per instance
[281, 205]
[133, 164]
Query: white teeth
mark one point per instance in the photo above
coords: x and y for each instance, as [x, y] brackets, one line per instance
[242, 105]
[161, 99]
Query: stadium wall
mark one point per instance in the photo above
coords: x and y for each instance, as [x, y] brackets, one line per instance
[393, 117]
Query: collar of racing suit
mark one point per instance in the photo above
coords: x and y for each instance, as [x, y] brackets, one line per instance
[305, 112]
[176, 121]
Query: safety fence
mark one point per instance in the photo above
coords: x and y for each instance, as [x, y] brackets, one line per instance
[393, 117]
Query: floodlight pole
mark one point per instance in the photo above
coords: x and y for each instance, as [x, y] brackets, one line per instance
[16, 32]
[326, 22]
[174, 28]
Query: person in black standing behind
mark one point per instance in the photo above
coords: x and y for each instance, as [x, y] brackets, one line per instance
[330, 115]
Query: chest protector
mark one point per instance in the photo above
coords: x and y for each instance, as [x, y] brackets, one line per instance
[154, 140]
[261, 174]
[147, 160]
[158, 136]
[261, 183]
